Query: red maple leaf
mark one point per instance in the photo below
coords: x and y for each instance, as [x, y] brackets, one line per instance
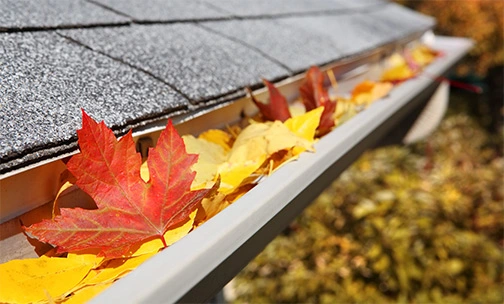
[315, 95]
[277, 108]
[130, 210]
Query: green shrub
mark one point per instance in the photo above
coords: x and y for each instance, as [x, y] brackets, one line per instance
[401, 225]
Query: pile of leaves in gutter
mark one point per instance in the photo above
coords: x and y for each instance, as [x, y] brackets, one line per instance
[402, 225]
[129, 208]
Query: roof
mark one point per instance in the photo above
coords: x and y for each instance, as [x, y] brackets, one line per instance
[131, 62]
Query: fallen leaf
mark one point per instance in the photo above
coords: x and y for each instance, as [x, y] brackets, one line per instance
[314, 95]
[211, 155]
[326, 120]
[170, 237]
[114, 269]
[85, 294]
[251, 149]
[422, 55]
[129, 209]
[211, 206]
[277, 108]
[368, 91]
[312, 91]
[260, 140]
[88, 257]
[67, 181]
[105, 276]
[222, 138]
[70, 196]
[346, 110]
[398, 74]
[305, 125]
[398, 70]
[278, 159]
[33, 280]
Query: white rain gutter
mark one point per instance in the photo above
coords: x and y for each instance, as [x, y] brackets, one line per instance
[199, 265]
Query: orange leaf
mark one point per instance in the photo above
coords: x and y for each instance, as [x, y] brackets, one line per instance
[130, 210]
[368, 91]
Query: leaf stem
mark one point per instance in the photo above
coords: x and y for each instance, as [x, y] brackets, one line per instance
[163, 240]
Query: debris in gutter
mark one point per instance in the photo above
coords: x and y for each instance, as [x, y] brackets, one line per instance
[230, 163]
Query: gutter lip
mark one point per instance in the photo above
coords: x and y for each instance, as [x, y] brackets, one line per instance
[171, 274]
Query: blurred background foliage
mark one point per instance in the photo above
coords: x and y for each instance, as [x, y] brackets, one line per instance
[400, 225]
[413, 224]
[480, 20]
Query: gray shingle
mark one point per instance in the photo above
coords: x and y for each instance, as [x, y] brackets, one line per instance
[277, 7]
[19, 14]
[162, 10]
[199, 63]
[45, 80]
[358, 32]
[289, 44]
[349, 33]
[298, 42]
[361, 4]
[395, 21]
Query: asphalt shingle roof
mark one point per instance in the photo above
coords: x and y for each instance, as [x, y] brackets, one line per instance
[278, 7]
[38, 14]
[162, 10]
[133, 62]
[45, 79]
[200, 64]
[290, 46]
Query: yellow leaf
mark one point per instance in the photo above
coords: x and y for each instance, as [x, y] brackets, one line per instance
[233, 174]
[344, 111]
[102, 278]
[212, 206]
[33, 280]
[281, 158]
[88, 257]
[398, 69]
[170, 236]
[85, 294]
[395, 60]
[368, 91]
[114, 269]
[219, 137]
[398, 73]
[211, 155]
[66, 185]
[252, 147]
[241, 191]
[305, 125]
[423, 55]
[264, 139]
